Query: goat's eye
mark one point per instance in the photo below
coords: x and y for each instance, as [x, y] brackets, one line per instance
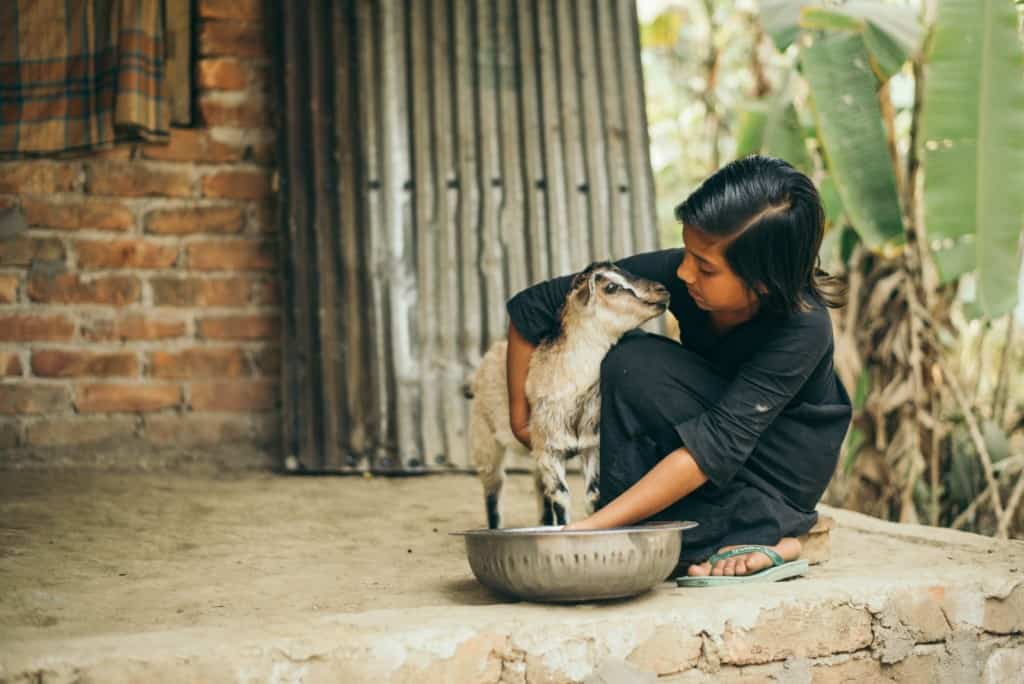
[611, 288]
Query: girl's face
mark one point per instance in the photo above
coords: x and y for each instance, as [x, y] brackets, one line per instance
[711, 282]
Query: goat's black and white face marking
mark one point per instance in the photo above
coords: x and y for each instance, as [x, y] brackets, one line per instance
[618, 298]
[614, 282]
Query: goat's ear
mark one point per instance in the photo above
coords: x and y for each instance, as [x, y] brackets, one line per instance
[584, 294]
[583, 275]
[588, 275]
[592, 285]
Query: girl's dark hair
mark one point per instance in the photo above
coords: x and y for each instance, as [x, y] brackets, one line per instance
[772, 216]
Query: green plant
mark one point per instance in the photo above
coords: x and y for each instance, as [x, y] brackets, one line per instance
[864, 96]
[919, 201]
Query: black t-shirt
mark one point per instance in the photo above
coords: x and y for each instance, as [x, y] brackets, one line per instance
[772, 364]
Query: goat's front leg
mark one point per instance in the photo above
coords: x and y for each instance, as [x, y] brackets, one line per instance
[552, 489]
[591, 477]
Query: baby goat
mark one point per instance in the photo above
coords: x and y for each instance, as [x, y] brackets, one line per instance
[563, 390]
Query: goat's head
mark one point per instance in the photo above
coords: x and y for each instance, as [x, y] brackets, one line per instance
[614, 298]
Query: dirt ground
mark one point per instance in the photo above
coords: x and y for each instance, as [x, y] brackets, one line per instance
[86, 552]
[172, 576]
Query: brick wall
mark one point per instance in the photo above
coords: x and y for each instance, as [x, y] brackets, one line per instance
[139, 312]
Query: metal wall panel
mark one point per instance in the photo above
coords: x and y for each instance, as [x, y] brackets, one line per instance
[438, 156]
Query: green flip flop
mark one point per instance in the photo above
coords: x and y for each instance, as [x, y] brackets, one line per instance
[779, 569]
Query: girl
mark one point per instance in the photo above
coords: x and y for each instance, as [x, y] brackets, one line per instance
[737, 426]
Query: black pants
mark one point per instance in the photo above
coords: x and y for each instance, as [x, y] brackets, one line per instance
[649, 383]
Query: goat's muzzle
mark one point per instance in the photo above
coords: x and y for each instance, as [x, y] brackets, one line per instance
[661, 296]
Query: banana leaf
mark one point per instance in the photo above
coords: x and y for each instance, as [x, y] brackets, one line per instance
[828, 252]
[783, 137]
[972, 147]
[780, 20]
[750, 130]
[834, 223]
[772, 127]
[891, 33]
[831, 202]
[887, 57]
[849, 119]
[848, 239]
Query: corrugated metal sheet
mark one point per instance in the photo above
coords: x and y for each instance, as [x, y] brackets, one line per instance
[436, 158]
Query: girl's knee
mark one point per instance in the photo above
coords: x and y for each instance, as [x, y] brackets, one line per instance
[650, 368]
[636, 373]
[622, 358]
[637, 367]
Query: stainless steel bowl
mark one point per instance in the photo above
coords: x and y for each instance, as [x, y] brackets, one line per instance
[550, 564]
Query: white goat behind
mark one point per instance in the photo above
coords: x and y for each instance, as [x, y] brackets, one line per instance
[562, 388]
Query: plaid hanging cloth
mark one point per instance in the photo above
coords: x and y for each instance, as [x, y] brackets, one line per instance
[79, 74]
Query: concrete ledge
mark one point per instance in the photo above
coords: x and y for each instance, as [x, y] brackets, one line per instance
[894, 603]
[927, 631]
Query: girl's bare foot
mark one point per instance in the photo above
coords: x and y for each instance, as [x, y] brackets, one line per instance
[788, 547]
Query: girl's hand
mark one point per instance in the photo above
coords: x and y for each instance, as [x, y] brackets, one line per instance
[517, 363]
[523, 435]
[585, 524]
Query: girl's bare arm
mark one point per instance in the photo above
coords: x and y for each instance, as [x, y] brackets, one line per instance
[671, 479]
[519, 351]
